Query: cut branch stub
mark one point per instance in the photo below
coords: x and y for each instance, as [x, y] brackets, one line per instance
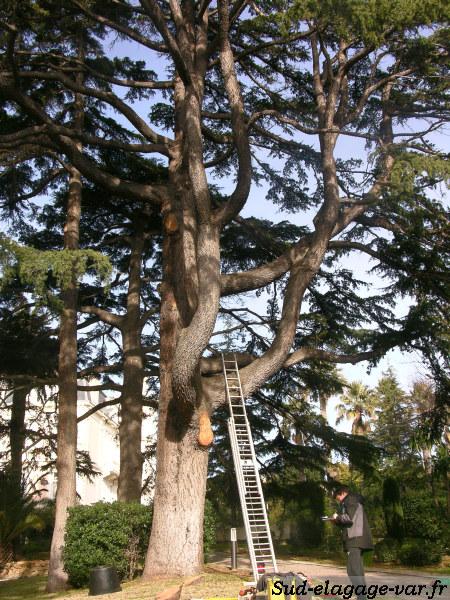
[205, 432]
[171, 224]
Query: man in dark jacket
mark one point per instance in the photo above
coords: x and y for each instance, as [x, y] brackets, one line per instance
[356, 533]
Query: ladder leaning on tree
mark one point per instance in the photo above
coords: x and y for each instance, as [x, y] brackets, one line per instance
[256, 523]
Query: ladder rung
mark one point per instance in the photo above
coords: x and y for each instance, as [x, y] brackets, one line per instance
[252, 500]
[261, 544]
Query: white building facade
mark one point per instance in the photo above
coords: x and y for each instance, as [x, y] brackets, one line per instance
[97, 436]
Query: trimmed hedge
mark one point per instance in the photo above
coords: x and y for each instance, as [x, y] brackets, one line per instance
[419, 553]
[114, 534]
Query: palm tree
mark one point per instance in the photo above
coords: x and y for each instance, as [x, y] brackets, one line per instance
[17, 515]
[422, 400]
[357, 405]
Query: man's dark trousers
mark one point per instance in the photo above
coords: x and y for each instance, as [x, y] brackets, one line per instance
[355, 569]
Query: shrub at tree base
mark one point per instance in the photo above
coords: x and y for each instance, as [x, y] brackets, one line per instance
[386, 551]
[114, 534]
[418, 553]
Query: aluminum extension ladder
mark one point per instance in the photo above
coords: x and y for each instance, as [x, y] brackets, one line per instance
[256, 523]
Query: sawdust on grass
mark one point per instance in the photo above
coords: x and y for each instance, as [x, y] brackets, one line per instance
[211, 585]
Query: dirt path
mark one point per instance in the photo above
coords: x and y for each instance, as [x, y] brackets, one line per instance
[404, 585]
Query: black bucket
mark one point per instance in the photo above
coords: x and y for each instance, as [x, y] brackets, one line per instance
[103, 580]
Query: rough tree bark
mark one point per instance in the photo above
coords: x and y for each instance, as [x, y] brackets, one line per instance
[67, 396]
[177, 530]
[17, 432]
[67, 378]
[189, 307]
[130, 325]
[130, 429]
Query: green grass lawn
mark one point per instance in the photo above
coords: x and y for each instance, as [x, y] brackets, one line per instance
[25, 587]
[212, 585]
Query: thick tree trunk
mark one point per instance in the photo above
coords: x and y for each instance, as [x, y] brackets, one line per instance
[130, 430]
[176, 542]
[17, 442]
[323, 400]
[67, 399]
[17, 432]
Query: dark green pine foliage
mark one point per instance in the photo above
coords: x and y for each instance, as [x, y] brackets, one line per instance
[405, 236]
[28, 345]
[393, 426]
[107, 225]
[392, 508]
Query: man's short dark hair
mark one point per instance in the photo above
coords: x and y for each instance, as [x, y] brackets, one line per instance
[342, 489]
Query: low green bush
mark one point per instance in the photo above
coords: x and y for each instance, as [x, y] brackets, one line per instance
[419, 553]
[421, 518]
[386, 550]
[114, 534]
